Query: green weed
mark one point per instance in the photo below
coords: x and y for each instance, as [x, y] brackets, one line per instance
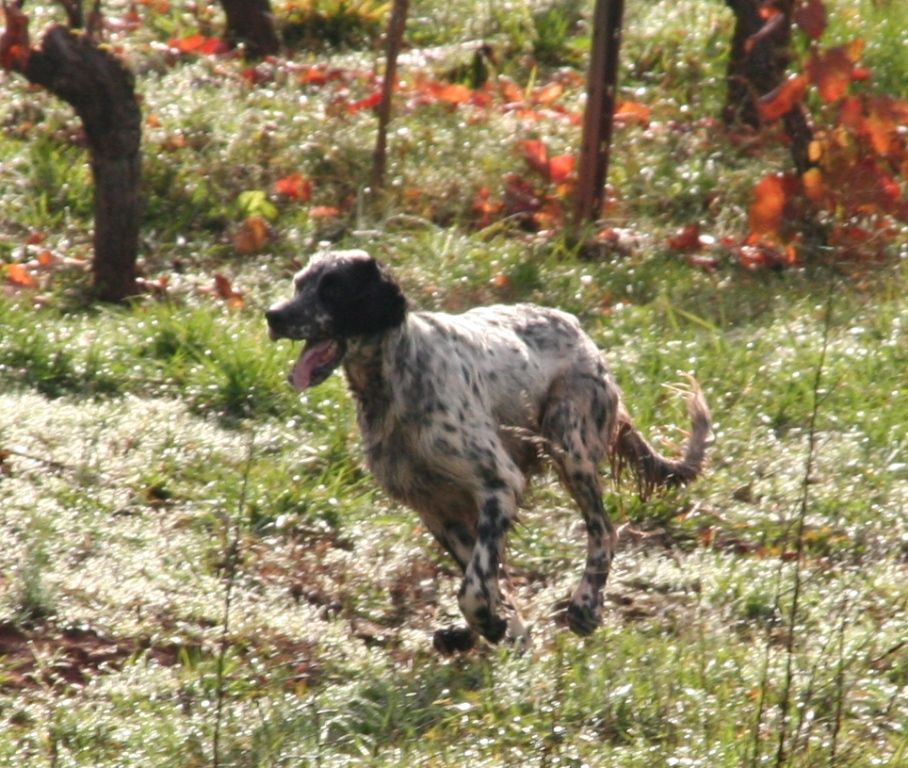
[31, 599]
[332, 24]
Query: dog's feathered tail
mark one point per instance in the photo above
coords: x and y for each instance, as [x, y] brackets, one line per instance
[632, 453]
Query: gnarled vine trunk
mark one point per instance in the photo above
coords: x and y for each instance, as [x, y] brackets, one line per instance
[102, 91]
[759, 58]
[250, 22]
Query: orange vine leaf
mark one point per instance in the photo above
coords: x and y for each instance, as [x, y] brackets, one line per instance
[810, 16]
[686, 239]
[561, 167]
[833, 70]
[17, 274]
[295, 186]
[627, 112]
[783, 99]
[768, 207]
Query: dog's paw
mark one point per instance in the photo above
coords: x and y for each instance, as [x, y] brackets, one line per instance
[481, 612]
[451, 640]
[583, 620]
[491, 626]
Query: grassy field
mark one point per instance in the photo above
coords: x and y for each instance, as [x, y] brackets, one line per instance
[195, 568]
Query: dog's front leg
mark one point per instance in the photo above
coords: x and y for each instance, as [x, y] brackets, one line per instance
[480, 596]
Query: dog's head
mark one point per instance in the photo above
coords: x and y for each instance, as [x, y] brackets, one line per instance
[338, 295]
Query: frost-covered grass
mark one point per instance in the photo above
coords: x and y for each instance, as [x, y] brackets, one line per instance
[157, 476]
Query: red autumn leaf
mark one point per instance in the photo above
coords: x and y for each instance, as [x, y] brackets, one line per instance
[453, 93]
[198, 44]
[324, 212]
[251, 236]
[213, 46]
[486, 210]
[831, 71]
[510, 91]
[44, 259]
[686, 239]
[814, 185]
[257, 75]
[224, 290]
[481, 97]
[295, 186]
[313, 76]
[783, 99]
[632, 112]
[871, 190]
[855, 242]
[17, 274]
[15, 48]
[547, 217]
[810, 16]
[520, 195]
[128, 22]
[173, 142]
[608, 235]
[881, 125]
[536, 155]
[157, 287]
[851, 112]
[854, 49]
[369, 102]
[766, 211]
[561, 167]
[549, 93]
[762, 256]
[525, 115]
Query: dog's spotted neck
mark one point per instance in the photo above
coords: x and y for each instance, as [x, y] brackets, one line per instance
[364, 368]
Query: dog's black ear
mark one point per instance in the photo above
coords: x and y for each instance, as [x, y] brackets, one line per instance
[362, 298]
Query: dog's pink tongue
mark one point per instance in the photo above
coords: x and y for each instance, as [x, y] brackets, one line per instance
[314, 354]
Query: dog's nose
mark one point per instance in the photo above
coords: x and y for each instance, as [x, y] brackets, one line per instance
[275, 318]
[276, 313]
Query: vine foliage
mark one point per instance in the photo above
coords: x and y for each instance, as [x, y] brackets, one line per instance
[848, 197]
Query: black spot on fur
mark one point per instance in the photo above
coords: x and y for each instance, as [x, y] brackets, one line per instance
[362, 298]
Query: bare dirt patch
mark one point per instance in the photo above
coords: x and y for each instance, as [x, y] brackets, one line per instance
[69, 656]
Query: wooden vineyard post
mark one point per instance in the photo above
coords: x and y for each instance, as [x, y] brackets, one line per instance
[601, 87]
[396, 26]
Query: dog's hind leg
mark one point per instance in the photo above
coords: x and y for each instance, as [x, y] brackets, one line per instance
[577, 415]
